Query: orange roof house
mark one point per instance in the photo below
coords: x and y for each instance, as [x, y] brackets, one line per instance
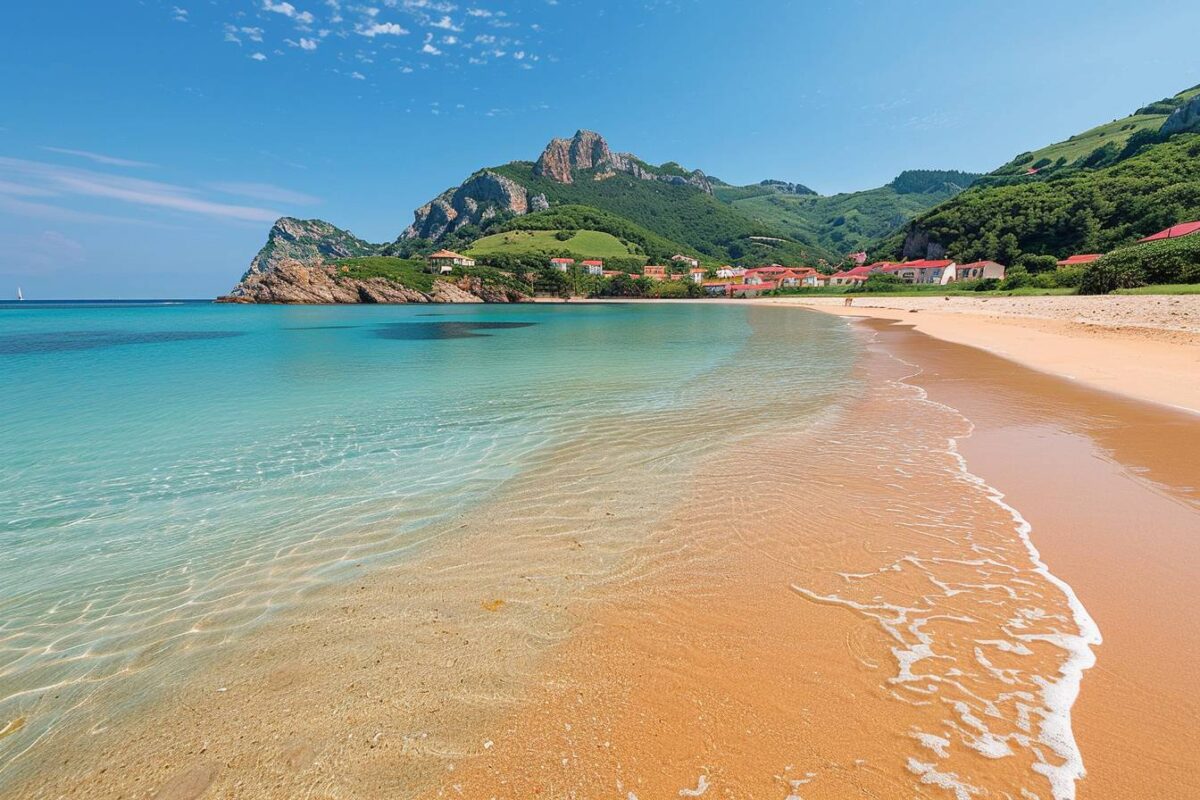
[446, 260]
[655, 271]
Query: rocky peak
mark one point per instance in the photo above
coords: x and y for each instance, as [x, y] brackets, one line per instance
[584, 150]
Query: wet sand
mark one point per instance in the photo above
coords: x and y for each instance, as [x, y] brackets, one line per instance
[716, 652]
[1112, 489]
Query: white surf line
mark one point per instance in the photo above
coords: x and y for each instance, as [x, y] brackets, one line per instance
[1059, 695]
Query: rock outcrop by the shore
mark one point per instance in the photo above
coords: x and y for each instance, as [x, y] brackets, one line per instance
[292, 282]
[307, 241]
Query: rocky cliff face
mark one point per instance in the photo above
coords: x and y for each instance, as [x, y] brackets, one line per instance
[293, 282]
[307, 241]
[585, 150]
[481, 197]
[1185, 118]
[588, 150]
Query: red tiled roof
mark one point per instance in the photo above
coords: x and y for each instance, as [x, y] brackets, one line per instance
[974, 264]
[1085, 258]
[924, 262]
[1173, 232]
[563, 261]
[445, 254]
[592, 263]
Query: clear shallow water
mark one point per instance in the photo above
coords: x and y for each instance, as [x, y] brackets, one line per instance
[172, 474]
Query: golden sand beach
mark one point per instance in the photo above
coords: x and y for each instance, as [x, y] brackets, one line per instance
[904, 600]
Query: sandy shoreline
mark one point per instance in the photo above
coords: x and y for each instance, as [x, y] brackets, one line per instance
[714, 655]
[1144, 347]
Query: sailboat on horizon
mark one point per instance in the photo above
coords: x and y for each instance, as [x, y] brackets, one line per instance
[20, 296]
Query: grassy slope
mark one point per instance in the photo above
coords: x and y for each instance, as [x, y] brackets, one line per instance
[583, 244]
[680, 213]
[1116, 132]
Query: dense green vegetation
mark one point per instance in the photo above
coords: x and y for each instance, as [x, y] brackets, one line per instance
[577, 244]
[1070, 210]
[411, 273]
[844, 223]
[406, 272]
[1165, 261]
[679, 213]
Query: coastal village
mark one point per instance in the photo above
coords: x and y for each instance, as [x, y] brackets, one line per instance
[735, 281]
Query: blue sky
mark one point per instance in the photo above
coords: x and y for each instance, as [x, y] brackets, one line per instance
[145, 147]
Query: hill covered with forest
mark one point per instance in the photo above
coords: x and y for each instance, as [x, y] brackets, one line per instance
[1093, 192]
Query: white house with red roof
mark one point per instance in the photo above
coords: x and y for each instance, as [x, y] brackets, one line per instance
[593, 267]
[697, 274]
[444, 261]
[728, 271]
[679, 258]
[562, 264]
[923, 271]
[858, 258]
[977, 270]
[1173, 232]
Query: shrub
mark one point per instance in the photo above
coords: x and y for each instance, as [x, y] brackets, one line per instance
[1068, 277]
[879, 282]
[1015, 279]
[1102, 278]
[1035, 264]
[987, 285]
[1166, 261]
[1043, 280]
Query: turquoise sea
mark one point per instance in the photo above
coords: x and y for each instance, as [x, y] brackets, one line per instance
[171, 474]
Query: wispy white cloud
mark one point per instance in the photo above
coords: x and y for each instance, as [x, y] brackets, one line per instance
[358, 76]
[99, 158]
[265, 191]
[258, 57]
[445, 23]
[303, 44]
[179, 14]
[373, 29]
[288, 10]
[68, 182]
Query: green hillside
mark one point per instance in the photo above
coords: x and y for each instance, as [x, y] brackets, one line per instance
[685, 215]
[844, 223]
[1152, 184]
[575, 243]
[1112, 135]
